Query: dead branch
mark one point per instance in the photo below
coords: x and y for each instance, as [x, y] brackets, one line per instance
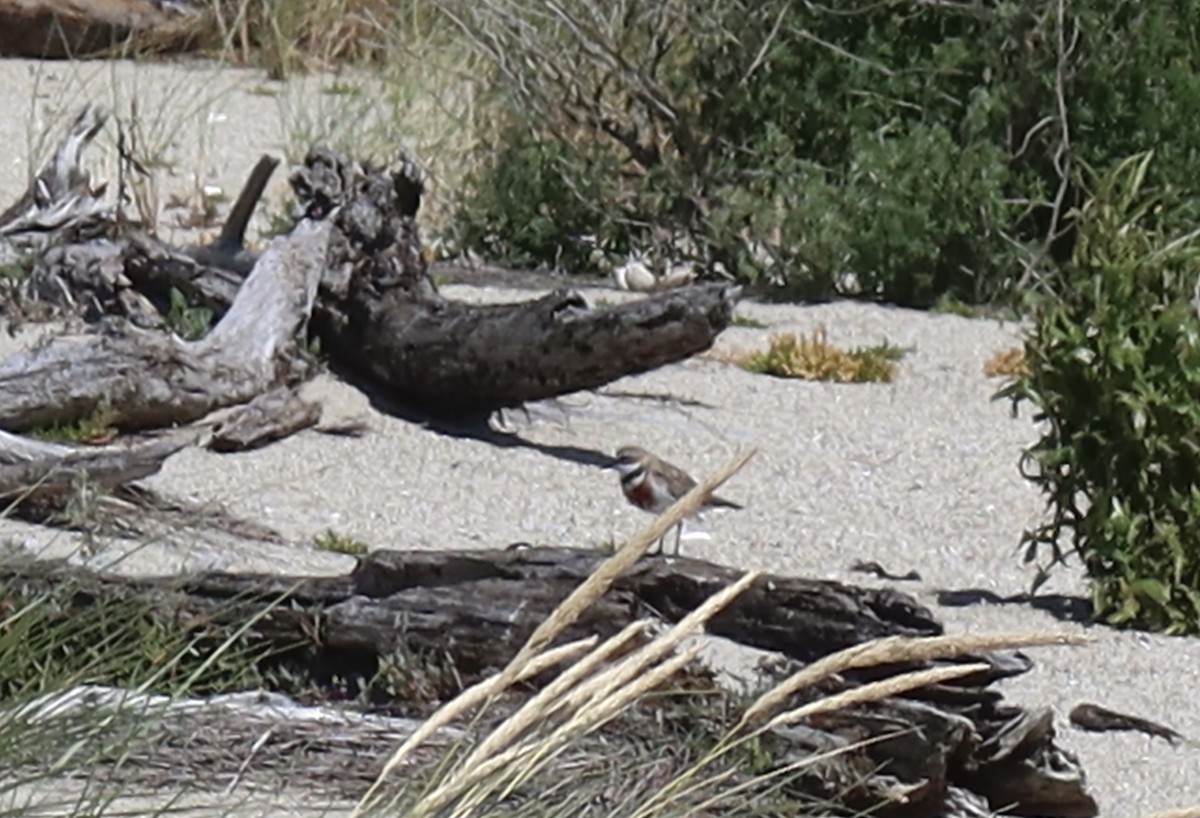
[151, 380]
[60, 204]
[380, 315]
[35, 468]
[476, 608]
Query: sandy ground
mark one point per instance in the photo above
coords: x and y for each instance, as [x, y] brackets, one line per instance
[918, 474]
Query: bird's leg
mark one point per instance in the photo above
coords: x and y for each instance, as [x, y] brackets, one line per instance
[678, 536]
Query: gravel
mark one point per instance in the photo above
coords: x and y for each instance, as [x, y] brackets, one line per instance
[919, 474]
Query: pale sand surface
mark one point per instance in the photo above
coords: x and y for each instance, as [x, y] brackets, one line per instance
[918, 474]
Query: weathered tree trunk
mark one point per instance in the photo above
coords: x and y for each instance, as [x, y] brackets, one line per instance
[939, 751]
[377, 313]
[380, 315]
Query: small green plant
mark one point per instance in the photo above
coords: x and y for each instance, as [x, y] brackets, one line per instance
[340, 543]
[184, 319]
[747, 322]
[412, 681]
[608, 546]
[343, 89]
[96, 428]
[1114, 372]
[813, 358]
[950, 305]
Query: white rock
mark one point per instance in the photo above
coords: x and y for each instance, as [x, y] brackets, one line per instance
[635, 275]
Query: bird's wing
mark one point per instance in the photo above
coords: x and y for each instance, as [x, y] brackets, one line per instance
[679, 480]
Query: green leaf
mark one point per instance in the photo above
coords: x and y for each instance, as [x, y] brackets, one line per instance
[1152, 588]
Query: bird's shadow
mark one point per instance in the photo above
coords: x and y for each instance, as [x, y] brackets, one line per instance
[1061, 606]
[470, 425]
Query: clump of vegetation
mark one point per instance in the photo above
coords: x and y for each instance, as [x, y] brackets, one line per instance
[290, 35]
[917, 155]
[1113, 370]
[97, 428]
[48, 650]
[1007, 363]
[188, 321]
[813, 358]
[747, 322]
[331, 540]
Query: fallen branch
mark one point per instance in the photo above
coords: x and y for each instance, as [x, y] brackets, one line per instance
[475, 609]
[152, 380]
[60, 204]
[35, 468]
[380, 315]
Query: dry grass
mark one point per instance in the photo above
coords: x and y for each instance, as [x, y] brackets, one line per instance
[374, 78]
[1009, 363]
[604, 680]
[289, 36]
[897, 649]
[489, 758]
[812, 358]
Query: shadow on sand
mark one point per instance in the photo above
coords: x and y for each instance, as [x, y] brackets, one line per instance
[1061, 606]
[470, 426]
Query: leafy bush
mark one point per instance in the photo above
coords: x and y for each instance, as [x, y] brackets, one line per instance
[908, 152]
[1114, 370]
[537, 203]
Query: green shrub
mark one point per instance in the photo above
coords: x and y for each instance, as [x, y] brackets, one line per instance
[537, 203]
[1113, 368]
[908, 152]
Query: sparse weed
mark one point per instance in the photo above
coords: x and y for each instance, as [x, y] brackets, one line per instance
[95, 429]
[331, 540]
[747, 322]
[608, 546]
[1008, 363]
[813, 358]
[186, 320]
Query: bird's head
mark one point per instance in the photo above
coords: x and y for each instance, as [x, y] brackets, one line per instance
[630, 459]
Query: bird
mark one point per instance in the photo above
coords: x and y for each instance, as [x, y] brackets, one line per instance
[652, 484]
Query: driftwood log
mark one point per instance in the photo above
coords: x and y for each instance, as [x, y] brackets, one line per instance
[377, 313]
[77, 28]
[380, 314]
[60, 205]
[148, 379]
[44, 468]
[954, 749]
